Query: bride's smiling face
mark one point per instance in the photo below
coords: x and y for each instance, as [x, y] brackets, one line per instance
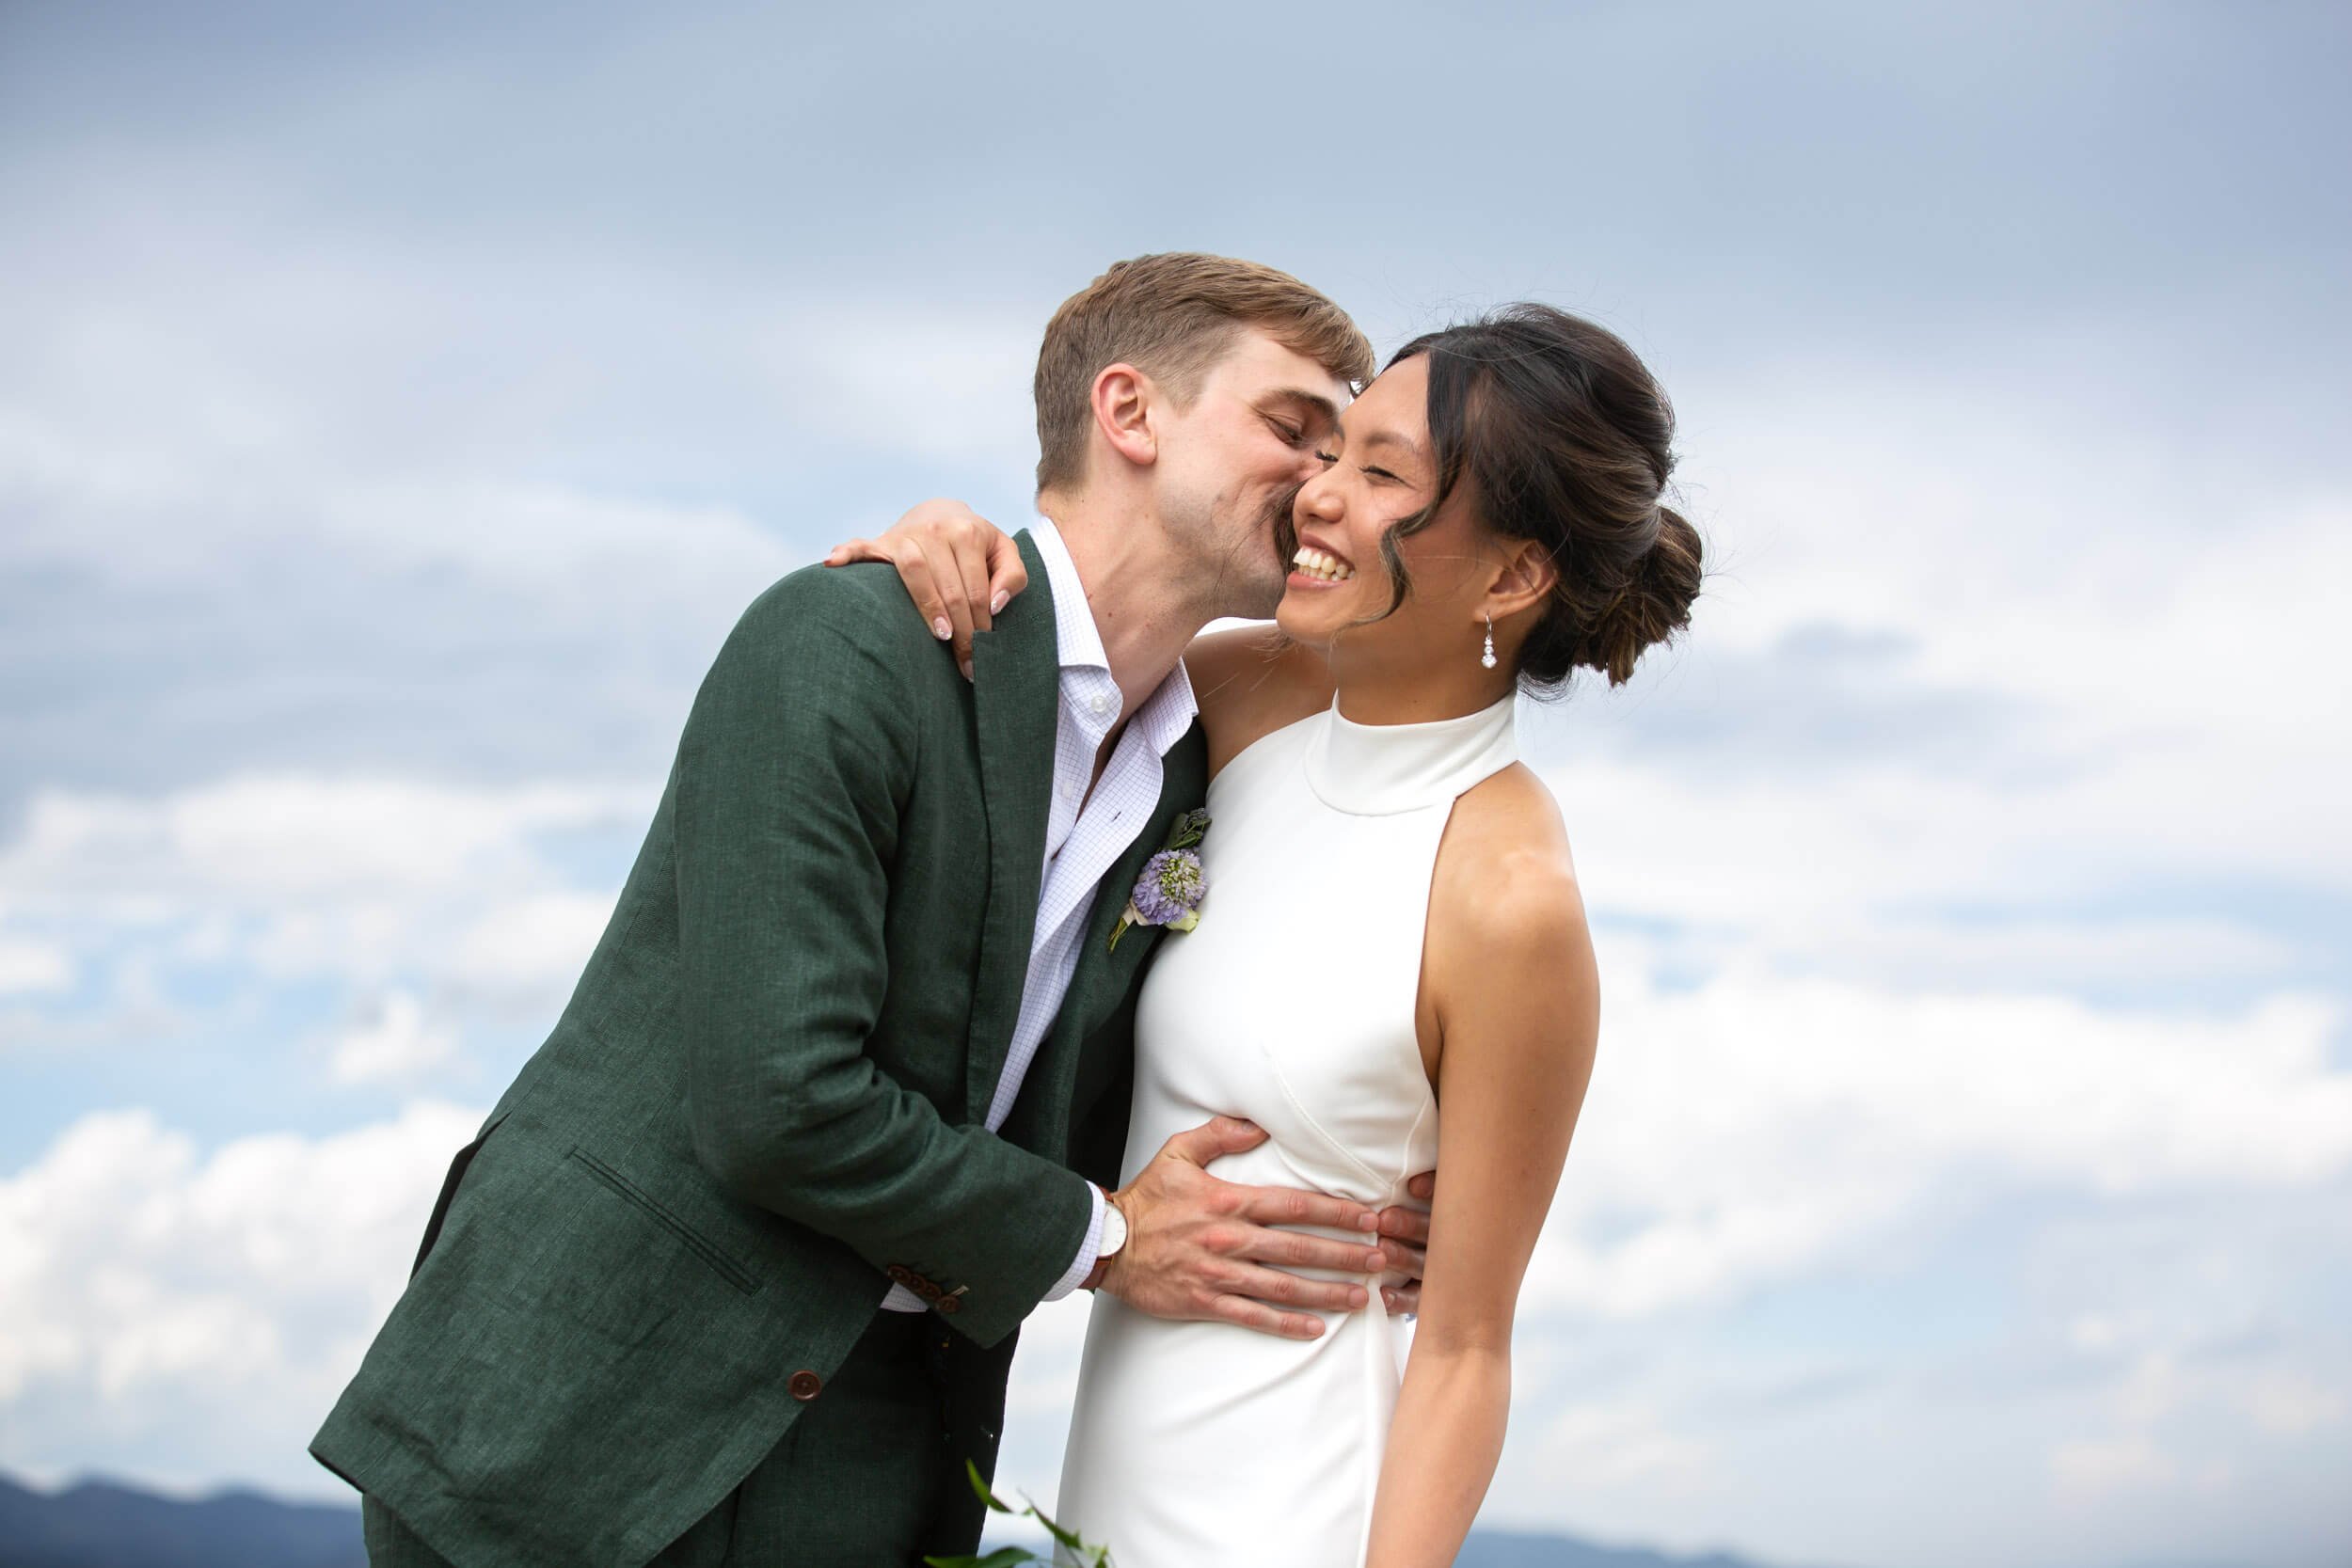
[1380, 469]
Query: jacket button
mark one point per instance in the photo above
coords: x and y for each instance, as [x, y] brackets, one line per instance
[899, 1274]
[805, 1386]
[950, 1304]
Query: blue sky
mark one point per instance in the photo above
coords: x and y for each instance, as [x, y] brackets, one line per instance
[398, 409]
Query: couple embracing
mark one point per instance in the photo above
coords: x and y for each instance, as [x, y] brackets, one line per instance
[931, 996]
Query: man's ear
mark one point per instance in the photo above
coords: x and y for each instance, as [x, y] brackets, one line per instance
[1122, 402]
[1527, 577]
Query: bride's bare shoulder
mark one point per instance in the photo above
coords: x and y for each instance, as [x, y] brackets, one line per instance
[1251, 682]
[1504, 857]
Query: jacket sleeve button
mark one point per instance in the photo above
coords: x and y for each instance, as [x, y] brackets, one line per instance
[805, 1386]
[950, 1306]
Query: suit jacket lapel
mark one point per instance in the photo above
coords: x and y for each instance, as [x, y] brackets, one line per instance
[1016, 677]
[1103, 974]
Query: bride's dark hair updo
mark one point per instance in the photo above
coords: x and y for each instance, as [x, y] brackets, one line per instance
[1565, 439]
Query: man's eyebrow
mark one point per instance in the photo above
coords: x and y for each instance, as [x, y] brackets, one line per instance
[1322, 405]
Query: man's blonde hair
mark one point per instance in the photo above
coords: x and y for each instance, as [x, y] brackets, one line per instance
[1172, 317]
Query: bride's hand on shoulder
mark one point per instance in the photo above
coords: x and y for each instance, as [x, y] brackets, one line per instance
[958, 568]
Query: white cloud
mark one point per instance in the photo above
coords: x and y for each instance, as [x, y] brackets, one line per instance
[531, 943]
[34, 966]
[146, 1288]
[2091, 1469]
[396, 1045]
[1756, 1128]
[1616, 1444]
[267, 840]
[378, 883]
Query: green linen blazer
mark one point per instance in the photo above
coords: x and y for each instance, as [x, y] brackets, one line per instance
[766, 1097]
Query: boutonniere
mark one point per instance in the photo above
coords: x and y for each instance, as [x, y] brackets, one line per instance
[1171, 887]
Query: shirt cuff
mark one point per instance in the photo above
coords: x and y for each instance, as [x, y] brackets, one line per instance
[1084, 1264]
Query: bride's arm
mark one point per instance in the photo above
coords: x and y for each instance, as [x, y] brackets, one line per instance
[1510, 966]
[958, 568]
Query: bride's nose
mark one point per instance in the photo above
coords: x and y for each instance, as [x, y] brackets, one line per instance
[1320, 499]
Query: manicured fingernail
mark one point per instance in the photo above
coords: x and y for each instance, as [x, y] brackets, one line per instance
[941, 630]
[964, 665]
[1000, 602]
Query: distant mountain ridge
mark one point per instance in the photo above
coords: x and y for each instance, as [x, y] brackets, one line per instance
[97, 1523]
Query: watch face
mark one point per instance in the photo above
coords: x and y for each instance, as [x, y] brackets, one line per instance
[1114, 1231]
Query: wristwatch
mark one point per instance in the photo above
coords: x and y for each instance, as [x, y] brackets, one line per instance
[1114, 1237]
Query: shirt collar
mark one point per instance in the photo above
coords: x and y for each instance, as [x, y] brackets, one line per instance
[1169, 710]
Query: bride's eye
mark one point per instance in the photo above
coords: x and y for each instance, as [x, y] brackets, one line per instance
[1326, 458]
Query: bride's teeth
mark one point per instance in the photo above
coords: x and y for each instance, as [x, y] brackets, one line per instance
[1315, 564]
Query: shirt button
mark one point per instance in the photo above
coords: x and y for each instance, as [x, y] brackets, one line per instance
[805, 1386]
[1102, 706]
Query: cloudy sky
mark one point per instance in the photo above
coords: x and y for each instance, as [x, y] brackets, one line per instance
[396, 410]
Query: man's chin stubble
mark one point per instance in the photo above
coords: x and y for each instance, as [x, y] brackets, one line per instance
[1279, 536]
[1247, 581]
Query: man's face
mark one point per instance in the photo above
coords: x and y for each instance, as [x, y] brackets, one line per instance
[1231, 465]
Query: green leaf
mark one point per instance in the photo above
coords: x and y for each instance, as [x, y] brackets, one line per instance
[980, 1486]
[1068, 1538]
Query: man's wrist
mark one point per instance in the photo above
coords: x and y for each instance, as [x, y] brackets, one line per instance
[1115, 1236]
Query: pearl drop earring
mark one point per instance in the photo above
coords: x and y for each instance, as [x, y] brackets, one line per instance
[1487, 658]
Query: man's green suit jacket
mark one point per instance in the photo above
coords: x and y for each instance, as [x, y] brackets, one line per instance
[767, 1092]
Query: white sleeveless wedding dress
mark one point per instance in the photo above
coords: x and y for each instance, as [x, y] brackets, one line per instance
[1200, 1444]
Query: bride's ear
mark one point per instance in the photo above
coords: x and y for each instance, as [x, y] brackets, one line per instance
[1527, 577]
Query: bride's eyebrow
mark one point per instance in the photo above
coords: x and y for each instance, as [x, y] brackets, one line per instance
[1404, 444]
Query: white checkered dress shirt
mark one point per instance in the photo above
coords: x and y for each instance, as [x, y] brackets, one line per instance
[1084, 834]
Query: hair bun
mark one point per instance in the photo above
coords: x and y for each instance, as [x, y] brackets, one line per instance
[1653, 604]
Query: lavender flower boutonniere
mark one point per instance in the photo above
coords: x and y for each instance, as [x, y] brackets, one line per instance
[1171, 887]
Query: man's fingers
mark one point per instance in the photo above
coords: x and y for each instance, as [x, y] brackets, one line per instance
[1006, 576]
[1266, 1320]
[1423, 1186]
[1399, 1257]
[1290, 1206]
[1217, 1136]
[1402, 1298]
[1289, 1290]
[1297, 1250]
[1406, 1225]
